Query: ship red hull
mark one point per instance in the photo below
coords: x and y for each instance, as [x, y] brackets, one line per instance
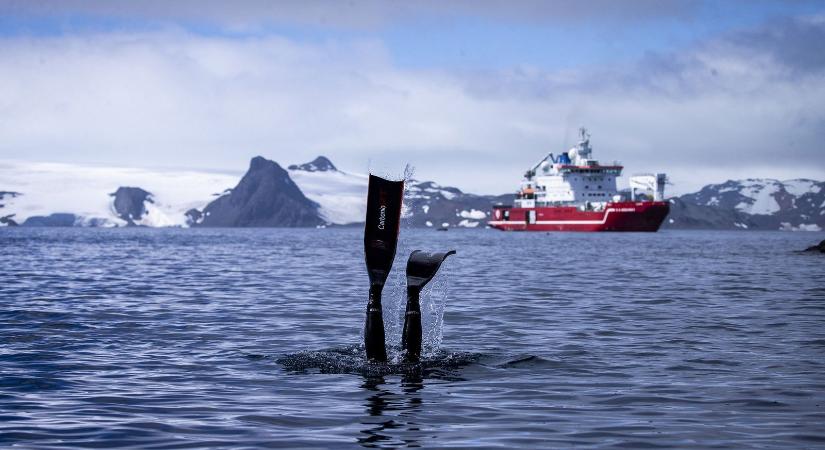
[621, 216]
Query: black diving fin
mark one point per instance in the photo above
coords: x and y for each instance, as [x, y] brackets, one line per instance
[384, 199]
[421, 268]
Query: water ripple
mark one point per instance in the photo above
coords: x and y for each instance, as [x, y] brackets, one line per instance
[166, 339]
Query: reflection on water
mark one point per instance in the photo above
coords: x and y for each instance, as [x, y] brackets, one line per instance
[380, 401]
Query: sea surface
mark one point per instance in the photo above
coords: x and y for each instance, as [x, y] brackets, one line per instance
[250, 338]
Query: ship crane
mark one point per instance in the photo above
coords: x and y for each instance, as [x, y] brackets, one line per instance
[532, 172]
[576, 154]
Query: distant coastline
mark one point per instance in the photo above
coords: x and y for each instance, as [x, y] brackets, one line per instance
[318, 194]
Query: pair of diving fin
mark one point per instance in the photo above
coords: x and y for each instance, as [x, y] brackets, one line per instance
[384, 199]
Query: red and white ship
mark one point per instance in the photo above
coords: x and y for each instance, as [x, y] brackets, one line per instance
[573, 192]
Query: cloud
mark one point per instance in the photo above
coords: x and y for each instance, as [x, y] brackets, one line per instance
[355, 14]
[748, 103]
[731, 107]
[792, 43]
[180, 99]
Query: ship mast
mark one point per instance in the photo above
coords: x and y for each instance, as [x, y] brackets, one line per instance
[584, 143]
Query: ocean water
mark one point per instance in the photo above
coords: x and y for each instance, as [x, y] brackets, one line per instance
[162, 339]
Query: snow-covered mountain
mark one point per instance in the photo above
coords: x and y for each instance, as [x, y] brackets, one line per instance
[47, 194]
[340, 195]
[317, 193]
[433, 205]
[84, 194]
[342, 198]
[764, 203]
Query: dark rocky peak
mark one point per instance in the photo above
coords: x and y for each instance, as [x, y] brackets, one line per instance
[262, 170]
[265, 197]
[260, 166]
[130, 203]
[260, 163]
[319, 164]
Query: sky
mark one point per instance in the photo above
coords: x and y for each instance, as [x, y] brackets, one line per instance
[470, 93]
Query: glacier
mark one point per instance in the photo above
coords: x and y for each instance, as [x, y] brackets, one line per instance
[47, 188]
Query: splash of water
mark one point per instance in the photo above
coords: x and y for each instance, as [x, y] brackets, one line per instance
[433, 302]
[433, 297]
[439, 364]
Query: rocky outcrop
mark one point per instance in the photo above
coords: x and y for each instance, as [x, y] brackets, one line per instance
[53, 220]
[817, 248]
[193, 217]
[265, 197]
[8, 221]
[319, 164]
[130, 203]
